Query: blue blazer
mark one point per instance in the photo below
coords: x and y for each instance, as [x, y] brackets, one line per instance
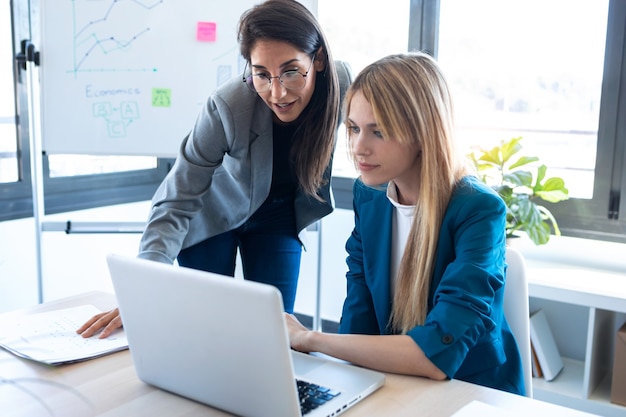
[465, 333]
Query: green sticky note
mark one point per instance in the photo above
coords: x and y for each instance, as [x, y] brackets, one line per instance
[161, 97]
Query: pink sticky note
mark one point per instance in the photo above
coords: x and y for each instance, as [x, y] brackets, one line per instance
[207, 31]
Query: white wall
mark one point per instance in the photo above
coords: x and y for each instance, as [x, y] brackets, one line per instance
[18, 270]
[71, 263]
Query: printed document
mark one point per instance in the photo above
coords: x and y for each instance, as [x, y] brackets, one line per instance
[51, 337]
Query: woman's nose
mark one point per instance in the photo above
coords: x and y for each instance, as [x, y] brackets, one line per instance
[358, 145]
[277, 89]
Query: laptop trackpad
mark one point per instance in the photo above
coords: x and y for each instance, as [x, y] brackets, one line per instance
[303, 363]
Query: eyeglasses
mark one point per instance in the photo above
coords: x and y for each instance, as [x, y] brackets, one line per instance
[291, 80]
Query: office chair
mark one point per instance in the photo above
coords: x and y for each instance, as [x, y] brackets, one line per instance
[516, 310]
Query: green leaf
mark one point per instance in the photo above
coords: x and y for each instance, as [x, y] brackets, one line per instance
[541, 174]
[540, 235]
[524, 160]
[553, 190]
[504, 190]
[519, 178]
[510, 148]
[532, 222]
[554, 184]
[529, 214]
[492, 156]
[549, 217]
[553, 196]
[484, 166]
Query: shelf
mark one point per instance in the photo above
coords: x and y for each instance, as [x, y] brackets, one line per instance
[569, 382]
[576, 285]
[601, 398]
[579, 285]
[603, 391]
[567, 390]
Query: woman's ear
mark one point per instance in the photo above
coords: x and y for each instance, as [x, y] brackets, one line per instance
[320, 60]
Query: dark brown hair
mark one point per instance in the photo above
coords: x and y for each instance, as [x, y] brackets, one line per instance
[290, 21]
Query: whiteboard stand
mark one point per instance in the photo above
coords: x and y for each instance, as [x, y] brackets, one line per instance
[317, 318]
[36, 155]
[93, 227]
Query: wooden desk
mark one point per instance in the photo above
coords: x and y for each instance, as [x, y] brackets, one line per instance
[108, 386]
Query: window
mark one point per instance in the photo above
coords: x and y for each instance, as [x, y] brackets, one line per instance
[542, 84]
[546, 71]
[552, 72]
[359, 32]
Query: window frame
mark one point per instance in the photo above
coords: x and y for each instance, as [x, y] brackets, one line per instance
[602, 217]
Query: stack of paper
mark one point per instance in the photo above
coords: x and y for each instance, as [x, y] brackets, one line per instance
[51, 337]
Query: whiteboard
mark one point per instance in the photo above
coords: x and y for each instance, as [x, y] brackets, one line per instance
[128, 77]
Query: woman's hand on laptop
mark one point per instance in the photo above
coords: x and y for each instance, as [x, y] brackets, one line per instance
[108, 321]
[297, 333]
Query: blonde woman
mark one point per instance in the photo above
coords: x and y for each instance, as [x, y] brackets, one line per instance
[426, 257]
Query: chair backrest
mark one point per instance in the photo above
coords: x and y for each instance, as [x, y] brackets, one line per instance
[516, 310]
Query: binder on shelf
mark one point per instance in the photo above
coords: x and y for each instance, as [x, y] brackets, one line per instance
[545, 347]
[537, 373]
[618, 382]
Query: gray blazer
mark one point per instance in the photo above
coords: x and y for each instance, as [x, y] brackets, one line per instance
[213, 186]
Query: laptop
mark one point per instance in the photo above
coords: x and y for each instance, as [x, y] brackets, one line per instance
[223, 342]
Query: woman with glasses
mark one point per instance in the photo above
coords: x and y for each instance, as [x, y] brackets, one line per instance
[425, 280]
[255, 169]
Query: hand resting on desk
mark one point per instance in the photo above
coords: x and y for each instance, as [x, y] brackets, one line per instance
[107, 321]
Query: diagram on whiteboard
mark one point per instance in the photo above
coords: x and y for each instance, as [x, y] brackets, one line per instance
[118, 117]
[128, 77]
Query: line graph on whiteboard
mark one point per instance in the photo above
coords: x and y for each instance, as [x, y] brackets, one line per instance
[114, 29]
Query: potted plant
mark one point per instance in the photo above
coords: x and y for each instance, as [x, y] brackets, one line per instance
[514, 181]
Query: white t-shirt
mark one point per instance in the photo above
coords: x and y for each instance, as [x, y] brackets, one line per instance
[402, 220]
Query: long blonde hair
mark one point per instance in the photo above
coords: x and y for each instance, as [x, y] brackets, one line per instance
[411, 103]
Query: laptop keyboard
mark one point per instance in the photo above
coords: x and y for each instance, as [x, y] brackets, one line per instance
[312, 396]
